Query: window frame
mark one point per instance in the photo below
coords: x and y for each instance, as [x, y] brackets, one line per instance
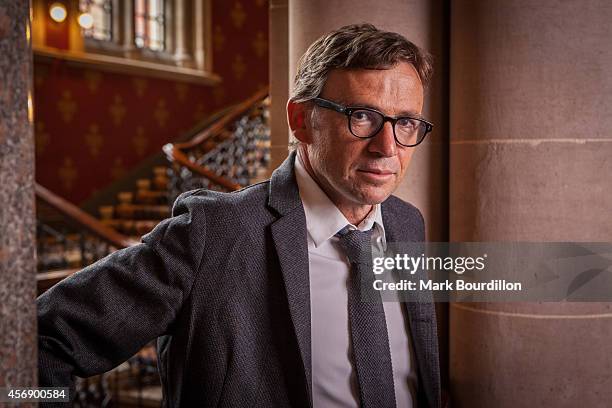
[187, 35]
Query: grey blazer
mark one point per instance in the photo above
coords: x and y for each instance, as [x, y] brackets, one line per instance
[223, 285]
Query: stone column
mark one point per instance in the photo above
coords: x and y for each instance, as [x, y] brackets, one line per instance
[127, 17]
[18, 360]
[530, 161]
[279, 81]
[181, 51]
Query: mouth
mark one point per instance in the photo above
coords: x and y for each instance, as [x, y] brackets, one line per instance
[376, 174]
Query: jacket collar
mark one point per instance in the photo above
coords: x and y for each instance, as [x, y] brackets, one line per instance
[284, 195]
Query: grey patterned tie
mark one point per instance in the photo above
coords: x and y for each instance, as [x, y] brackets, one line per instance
[367, 324]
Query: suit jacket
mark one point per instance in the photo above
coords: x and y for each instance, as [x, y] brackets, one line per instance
[224, 286]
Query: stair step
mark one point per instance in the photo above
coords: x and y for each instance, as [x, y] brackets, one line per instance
[160, 171]
[150, 396]
[125, 197]
[141, 211]
[132, 227]
[151, 197]
[143, 184]
[160, 183]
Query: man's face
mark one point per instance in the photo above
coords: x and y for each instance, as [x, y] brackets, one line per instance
[358, 172]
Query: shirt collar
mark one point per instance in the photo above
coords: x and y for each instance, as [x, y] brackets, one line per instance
[323, 218]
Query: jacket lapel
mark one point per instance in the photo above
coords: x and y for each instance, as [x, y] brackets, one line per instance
[421, 314]
[290, 240]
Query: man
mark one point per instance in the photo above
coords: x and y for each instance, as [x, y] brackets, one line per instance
[254, 295]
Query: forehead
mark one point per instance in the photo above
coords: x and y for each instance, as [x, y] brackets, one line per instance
[392, 90]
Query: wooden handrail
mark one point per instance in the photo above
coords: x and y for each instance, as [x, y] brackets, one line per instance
[82, 218]
[175, 151]
[222, 123]
[180, 157]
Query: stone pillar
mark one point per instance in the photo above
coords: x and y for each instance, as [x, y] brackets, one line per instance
[279, 81]
[181, 51]
[530, 161]
[18, 360]
[425, 23]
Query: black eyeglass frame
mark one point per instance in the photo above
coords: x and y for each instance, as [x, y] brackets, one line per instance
[348, 111]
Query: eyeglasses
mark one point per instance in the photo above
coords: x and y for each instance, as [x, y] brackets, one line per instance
[365, 123]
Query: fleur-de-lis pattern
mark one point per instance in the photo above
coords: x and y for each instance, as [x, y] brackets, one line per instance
[218, 39]
[92, 125]
[238, 14]
[161, 113]
[117, 110]
[67, 174]
[260, 45]
[140, 142]
[67, 107]
[238, 67]
[118, 169]
[94, 139]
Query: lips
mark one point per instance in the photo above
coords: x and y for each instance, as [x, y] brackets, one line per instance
[381, 172]
[377, 170]
[376, 176]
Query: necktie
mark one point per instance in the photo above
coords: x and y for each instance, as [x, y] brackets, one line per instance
[368, 328]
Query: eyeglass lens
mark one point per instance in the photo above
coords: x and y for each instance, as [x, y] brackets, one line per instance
[366, 123]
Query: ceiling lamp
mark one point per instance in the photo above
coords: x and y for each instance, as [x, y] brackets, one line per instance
[86, 21]
[58, 12]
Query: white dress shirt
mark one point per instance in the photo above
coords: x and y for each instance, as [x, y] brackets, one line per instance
[334, 383]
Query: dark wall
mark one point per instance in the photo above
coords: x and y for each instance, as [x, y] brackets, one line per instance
[93, 126]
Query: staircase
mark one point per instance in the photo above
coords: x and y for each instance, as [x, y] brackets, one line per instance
[231, 153]
[139, 211]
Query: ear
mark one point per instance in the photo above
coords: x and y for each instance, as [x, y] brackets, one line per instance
[296, 116]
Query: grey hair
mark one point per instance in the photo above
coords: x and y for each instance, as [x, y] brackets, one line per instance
[356, 46]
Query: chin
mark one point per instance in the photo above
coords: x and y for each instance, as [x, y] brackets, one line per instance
[373, 197]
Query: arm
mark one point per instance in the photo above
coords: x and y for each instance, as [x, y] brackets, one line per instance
[102, 315]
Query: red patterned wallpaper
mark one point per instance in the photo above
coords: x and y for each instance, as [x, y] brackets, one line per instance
[93, 126]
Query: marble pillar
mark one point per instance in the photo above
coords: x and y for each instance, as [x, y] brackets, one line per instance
[18, 359]
[530, 160]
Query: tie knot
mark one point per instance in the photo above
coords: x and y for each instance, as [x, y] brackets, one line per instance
[357, 245]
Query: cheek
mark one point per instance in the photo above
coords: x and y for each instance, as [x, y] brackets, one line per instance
[405, 157]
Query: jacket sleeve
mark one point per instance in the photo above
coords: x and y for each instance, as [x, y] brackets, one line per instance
[103, 314]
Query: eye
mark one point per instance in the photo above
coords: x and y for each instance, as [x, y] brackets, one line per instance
[407, 123]
[364, 116]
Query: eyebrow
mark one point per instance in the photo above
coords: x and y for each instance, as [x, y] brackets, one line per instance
[409, 113]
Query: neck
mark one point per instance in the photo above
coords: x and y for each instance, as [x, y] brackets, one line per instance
[353, 212]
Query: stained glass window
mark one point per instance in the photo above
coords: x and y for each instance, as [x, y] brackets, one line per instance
[101, 12]
[149, 24]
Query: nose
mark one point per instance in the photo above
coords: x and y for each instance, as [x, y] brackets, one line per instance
[383, 143]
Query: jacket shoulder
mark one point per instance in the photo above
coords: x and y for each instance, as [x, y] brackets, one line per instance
[397, 205]
[405, 216]
[209, 200]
